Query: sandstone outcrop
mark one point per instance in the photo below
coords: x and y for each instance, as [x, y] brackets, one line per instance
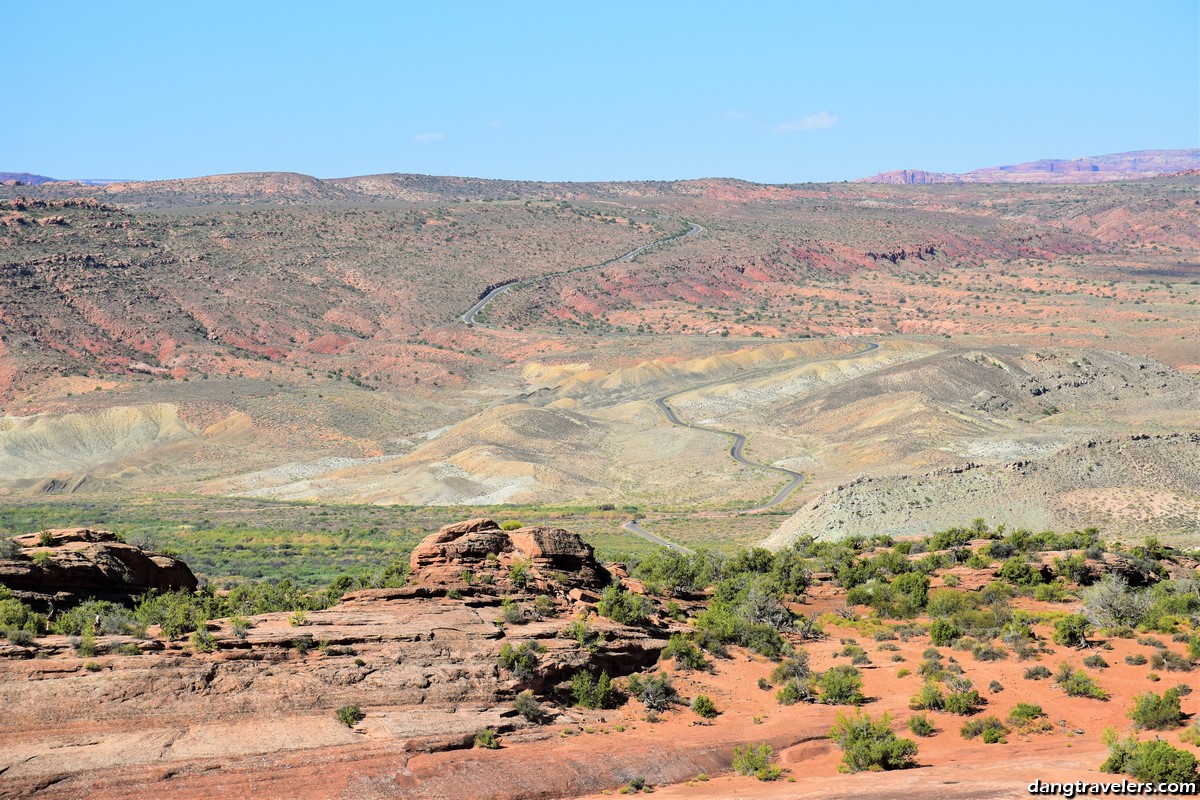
[81, 563]
[478, 549]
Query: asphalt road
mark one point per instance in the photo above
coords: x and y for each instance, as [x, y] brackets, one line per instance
[469, 317]
[737, 449]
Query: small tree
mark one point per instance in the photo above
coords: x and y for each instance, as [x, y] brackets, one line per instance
[528, 707]
[1072, 631]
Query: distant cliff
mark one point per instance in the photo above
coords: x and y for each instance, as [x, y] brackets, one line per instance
[1091, 169]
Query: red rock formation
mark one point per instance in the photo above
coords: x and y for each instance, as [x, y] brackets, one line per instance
[555, 557]
[86, 563]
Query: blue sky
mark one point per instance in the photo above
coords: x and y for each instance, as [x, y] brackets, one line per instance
[775, 92]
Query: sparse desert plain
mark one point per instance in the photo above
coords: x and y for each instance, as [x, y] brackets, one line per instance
[909, 447]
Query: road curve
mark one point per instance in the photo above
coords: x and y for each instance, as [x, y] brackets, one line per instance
[468, 318]
[634, 527]
[738, 446]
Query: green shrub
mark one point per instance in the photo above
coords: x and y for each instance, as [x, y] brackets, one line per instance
[869, 744]
[929, 698]
[921, 725]
[487, 740]
[991, 729]
[795, 667]
[1135, 660]
[528, 707]
[17, 616]
[755, 761]
[964, 702]
[622, 606]
[841, 685]
[686, 654]
[203, 641]
[522, 660]
[240, 626]
[87, 642]
[943, 632]
[1157, 712]
[655, 692]
[518, 573]
[590, 692]
[511, 525]
[511, 613]
[1096, 662]
[995, 687]
[1072, 631]
[1170, 661]
[298, 619]
[1077, 683]
[797, 690]
[129, 649]
[704, 706]
[350, 715]
[1025, 713]
[1150, 762]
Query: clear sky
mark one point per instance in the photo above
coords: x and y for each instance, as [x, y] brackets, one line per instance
[774, 92]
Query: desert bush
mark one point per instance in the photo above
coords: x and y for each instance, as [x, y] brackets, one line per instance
[544, 607]
[841, 685]
[1170, 661]
[964, 702]
[511, 612]
[622, 606]
[1095, 662]
[486, 739]
[202, 640]
[929, 698]
[17, 617]
[350, 715]
[297, 619]
[686, 654]
[527, 706]
[991, 729]
[1151, 762]
[797, 690]
[511, 525]
[921, 725]
[1077, 683]
[869, 744]
[704, 706]
[755, 761]
[129, 649]
[1072, 631]
[655, 692]
[518, 573]
[995, 687]
[1111, 603]
[591, 692]
[522, 660]
[795, 667]
[1135, 660]
[1037, 673]
[942, 632]
[1157, 712]
[1025, 713]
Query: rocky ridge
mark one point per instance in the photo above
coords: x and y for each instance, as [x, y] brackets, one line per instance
[70, 565]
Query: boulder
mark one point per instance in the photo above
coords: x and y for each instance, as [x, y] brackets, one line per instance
[479, 549]
[82, 563]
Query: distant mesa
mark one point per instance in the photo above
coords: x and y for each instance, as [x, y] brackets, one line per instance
[1091, 169]
[23, 179]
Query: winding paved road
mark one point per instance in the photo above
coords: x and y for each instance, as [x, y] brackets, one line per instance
[736, 449]
[469, 317]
